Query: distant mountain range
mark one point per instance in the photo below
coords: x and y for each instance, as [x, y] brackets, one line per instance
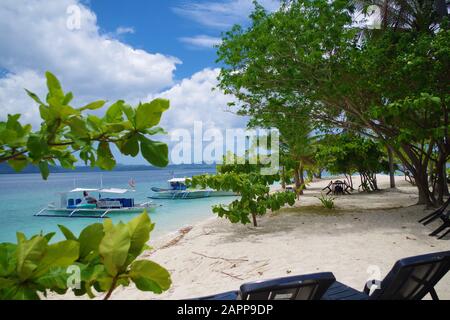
[5, 169]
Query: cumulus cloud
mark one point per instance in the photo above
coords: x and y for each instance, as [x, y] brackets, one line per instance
[35, 38]
[221, 14]
[13, 98]
[63, 37]
[201, 41]
[194, 100]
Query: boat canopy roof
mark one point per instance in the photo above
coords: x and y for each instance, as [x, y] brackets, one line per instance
[104, 190]
[181, 180]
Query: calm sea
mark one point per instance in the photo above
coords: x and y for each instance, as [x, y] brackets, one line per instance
[22, 195]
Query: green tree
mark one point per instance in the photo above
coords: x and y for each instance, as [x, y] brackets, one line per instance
[390, 86]
[253, 188]
[348, 153]
[67, 133]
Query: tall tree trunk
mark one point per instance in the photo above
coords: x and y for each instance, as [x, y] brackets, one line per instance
[255, 224]
[302, 176]
[349, 180]
[391, 167]
[441, 179]
[423, 188]
[283, 178]
[444, 169]
[298, 184]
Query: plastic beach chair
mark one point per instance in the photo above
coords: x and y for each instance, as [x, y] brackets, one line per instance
[302, 287]
[410, 279]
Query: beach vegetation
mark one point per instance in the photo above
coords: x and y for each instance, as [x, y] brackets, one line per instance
[349, 153]
[389, 84]
[327, 201]
[68, 134]
[253, 188]
[103, 257]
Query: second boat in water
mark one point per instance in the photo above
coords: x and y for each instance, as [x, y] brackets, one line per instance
[178, 190]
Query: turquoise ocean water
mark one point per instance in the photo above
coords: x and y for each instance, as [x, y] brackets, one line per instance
[22, 195]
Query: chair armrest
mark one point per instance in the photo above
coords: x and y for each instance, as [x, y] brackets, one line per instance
[366, 289]
[368, 285]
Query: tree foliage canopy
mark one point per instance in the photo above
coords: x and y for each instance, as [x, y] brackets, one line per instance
[391, 84]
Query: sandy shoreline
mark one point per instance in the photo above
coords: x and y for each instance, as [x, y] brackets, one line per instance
[364, 236]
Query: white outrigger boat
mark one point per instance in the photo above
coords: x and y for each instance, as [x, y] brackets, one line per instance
[71, 204]
[178, 190]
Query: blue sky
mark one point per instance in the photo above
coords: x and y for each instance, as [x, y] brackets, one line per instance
[155, 26]
[135, 50]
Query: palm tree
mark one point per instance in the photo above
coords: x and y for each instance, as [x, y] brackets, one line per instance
[420, 15]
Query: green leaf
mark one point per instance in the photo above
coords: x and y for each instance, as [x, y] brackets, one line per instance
[28, 255]
[45, 171]
[37, 146]
[54, 279]
[45, 113]
[93, 105]
[54, 87]
[60, 254]
[155, 152]
[7, 259]
[150, 276]
[139, 228]
[90, 238]
[114, 248]
[18, 292]
[114, 113]
[156, 130]
[105, 158]
[49, 236]
[6, 283]
[129, 112]
[18, 163]
[67, 98]
[149, 114]
[130, 146]
[34, 97]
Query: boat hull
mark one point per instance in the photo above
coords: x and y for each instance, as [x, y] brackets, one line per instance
[93, 213]
[190, 194]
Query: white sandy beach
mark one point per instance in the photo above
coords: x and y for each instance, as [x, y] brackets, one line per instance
[366, 233]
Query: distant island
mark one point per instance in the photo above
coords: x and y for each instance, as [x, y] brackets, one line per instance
[6, 169]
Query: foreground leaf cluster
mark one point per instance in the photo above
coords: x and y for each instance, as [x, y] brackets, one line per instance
[67, 132]
[99, 260]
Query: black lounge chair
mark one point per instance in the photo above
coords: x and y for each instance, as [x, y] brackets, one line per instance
[435, 214]
[439, 214]
[445, 217]
[410, 279]
[304, 287]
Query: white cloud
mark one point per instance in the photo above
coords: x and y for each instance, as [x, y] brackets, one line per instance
[13, 98]
[124, 30]
[201, 41]
[36, 37]
[194, 100]
[221, 14]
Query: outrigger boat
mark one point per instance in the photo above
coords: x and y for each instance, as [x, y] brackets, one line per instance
[178, 190]
[71, 204]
